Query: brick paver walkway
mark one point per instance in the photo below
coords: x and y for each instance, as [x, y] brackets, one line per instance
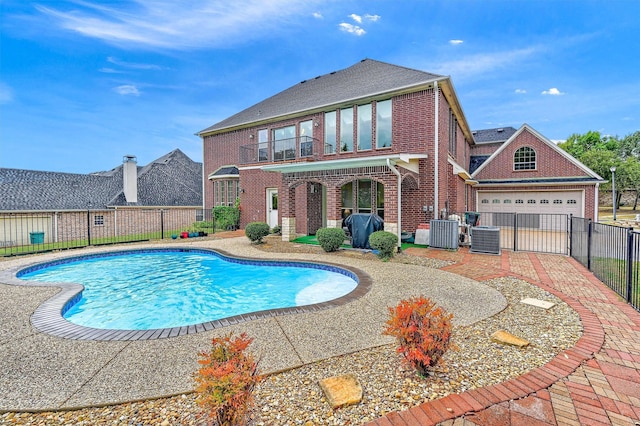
[597, 382]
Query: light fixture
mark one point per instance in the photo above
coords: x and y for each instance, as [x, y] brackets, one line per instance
[250, 136]
[613, 191]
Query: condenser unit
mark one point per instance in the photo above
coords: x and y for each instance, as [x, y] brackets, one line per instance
[444, 234]
[485, 239]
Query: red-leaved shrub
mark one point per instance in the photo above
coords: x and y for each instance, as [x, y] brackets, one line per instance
[423, 332]
[226, 379]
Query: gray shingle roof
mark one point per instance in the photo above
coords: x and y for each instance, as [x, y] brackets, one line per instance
[366, 78]
[499, 134]
[171, 180]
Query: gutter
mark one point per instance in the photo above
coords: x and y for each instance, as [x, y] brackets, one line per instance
[397, 173]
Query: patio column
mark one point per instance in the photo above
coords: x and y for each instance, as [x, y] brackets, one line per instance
[288, 211]
[334, 203]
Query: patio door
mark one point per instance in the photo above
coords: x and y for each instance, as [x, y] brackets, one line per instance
[272, 207]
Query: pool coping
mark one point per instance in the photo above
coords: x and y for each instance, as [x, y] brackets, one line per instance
[48, 318]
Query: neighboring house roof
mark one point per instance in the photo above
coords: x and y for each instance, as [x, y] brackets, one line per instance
[476, 161]
[590, 174]
[171, 180]
[499, 134]
[364, 79]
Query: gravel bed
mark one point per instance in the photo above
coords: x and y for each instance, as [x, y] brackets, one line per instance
[294, 397]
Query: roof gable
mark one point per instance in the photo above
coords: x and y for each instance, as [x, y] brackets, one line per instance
[364, 79]
[547, 144]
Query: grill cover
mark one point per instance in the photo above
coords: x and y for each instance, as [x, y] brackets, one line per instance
[361, 226]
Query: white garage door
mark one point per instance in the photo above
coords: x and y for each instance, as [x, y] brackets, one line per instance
[535, 204]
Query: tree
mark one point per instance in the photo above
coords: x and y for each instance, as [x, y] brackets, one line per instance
[630, 145]
[600, 162]
[629, 172]
[577, 145]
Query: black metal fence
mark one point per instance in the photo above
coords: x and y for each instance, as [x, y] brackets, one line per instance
[37, 231]
[612, 253]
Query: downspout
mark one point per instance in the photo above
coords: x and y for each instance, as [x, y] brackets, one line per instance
[436, 214]
[204, 186]
[397, 173]
[595, 207]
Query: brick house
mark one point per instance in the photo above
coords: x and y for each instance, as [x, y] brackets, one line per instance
[371, 138]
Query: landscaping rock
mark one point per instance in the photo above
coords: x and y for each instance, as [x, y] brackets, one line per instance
[538, 303]
[342, 390]
[507, 338]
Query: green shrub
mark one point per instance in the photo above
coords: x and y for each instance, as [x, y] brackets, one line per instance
[276, 230]
[423, 332]
[385, 242]
[226, 217]
[330, 239]
[256, 231]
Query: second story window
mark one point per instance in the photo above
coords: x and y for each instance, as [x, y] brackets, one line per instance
[365, 135]
[263, 145]
[284, 143]
[524, 159]
[346, 130]
[330, 132]
[306, 138]
[383, 124]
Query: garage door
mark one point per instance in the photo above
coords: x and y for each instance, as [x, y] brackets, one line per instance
[534, 207]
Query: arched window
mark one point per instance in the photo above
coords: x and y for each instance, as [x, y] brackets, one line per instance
[524, 159]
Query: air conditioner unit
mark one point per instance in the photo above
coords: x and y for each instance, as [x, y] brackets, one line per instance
[485, 239]
[444, 234]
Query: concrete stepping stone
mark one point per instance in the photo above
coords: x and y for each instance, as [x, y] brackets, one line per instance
[538, 303]
[506, 338]
[342, 390]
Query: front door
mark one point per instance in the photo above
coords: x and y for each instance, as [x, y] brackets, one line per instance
[272, 207]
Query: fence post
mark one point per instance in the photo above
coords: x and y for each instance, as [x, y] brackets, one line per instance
[570, 239]
[589, 229]
[88, 227]
[162, 224]
[629, 264]
[515, 232]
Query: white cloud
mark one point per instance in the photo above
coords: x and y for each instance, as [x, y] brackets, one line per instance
[189, 24]
[372, 18]
[127, 89]
[455, 42]
[520, 91]
[317, 15]
[132, 65]
[6, 94]
[553, 92]
[110, 71]
[356, 18]
[482, 63]
[353, 29]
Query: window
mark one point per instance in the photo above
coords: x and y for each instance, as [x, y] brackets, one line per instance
[365, 135]
[544, 201]
[263, 145]
[306, 138]
[524, 159]
[330, 132]
[519, 202]
[485, 201]
[507, 201]
[383, 124]
[557, 201]
[453, 133]
[284, 143]
[225, 192]
[98, 220]
[495, 201]
[361, 196]
[531, 201]
[572, 202]
[346, 130]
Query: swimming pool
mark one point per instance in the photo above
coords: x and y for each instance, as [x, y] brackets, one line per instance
[172, 288]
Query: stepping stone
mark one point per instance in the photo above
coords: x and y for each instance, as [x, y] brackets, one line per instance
[538, 303]
[507, 338]
[342, 390]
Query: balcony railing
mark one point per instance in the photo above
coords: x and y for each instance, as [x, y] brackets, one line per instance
[302, 148]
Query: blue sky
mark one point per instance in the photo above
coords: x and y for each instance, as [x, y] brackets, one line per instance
[83, 83]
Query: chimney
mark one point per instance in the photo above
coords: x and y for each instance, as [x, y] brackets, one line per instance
[130, 178]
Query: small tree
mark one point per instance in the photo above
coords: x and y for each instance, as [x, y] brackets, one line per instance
[256, 231]
[226, 379]
[423, 332]
[330, 239]
[385, 242]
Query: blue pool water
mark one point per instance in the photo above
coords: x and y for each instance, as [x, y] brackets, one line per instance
[162, 289]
